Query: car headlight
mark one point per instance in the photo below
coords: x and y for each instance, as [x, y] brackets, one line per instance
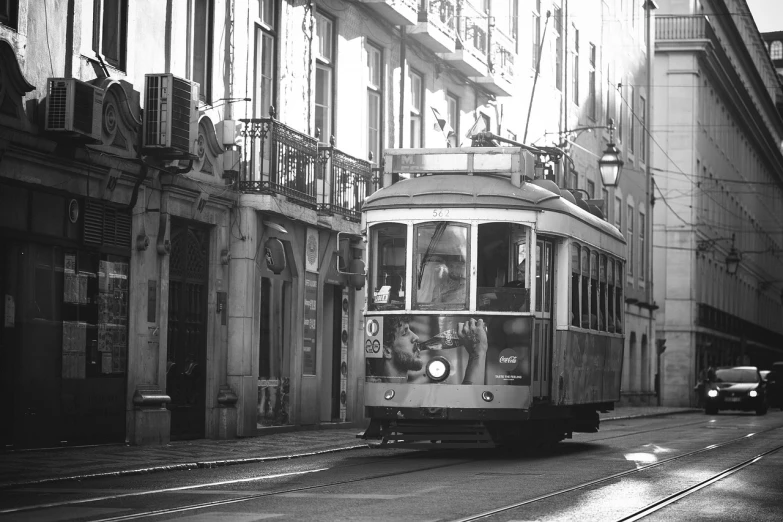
[712, 393]
[753, 393]
[438, 369]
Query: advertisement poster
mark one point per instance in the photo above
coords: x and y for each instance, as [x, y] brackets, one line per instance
[448, 349]
[74, 350]
[112, 315]
[309, 335]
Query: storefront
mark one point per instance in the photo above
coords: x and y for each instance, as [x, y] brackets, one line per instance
[65, 279]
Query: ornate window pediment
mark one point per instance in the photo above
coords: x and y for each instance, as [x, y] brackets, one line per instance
[208, 150]
[13, 88]
[121, 118]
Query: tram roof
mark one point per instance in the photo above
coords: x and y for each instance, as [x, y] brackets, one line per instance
[478, 190]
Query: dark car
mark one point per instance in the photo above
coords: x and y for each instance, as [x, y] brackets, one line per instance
[737, 388]
[775, 385]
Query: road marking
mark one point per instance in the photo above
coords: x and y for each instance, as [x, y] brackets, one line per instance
[71, 513]
[227, 516]
[156, 491]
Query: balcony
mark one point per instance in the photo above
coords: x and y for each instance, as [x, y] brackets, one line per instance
[470, 55]
[347, 181]
[282, 161]
[278, 160]
[437, 27]
[500, 79]
[396, 12]
[684, 33]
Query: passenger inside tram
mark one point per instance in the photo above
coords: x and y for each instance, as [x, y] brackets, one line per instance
[443, 280]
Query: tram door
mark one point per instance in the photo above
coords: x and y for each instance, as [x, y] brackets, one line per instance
[187, 356]
[542, 325]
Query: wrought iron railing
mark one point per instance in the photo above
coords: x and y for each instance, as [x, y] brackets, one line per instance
[347, 182]
[503, 61]
[278, 160]
[442, 14]
[473, 36]
[676, 27]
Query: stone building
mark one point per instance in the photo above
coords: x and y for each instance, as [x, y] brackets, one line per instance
[204, 279]
[718, 231]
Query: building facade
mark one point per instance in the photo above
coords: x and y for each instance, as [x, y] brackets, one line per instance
[206, 280]
[718, 232]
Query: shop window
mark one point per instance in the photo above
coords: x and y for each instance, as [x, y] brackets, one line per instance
[272, 408]
[388, 263]
[441, 262]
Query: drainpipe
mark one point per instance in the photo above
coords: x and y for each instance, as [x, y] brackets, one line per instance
[403, 36]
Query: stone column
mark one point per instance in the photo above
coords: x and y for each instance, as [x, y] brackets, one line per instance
[243, 324]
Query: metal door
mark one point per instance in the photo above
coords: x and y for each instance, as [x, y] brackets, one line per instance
[544, 308]
[187, 333]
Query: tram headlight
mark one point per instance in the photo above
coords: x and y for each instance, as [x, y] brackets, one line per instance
[389, 395]
[438, 368]
[753, 393]
[487, 396]
[712, 393]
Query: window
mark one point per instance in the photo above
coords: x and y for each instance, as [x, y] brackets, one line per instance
[776, 50]
[9, 13]
[452, 119]
[642, 256]
[609, 101]
[618, 93]
[591, 189]
[324, 69]
[575, 68]
[618, 297]
[558, 28]
[575, 284]
[643, 125]
[200, 47]
[605, 197]
[374, 101]
[618, 213]
[502, 277]
[109, 36]
[536, 33]
[417, 102]
[388, 263]
[591, 86]
[441, 261]
[265, 56]
[631, 123]
[629, 240]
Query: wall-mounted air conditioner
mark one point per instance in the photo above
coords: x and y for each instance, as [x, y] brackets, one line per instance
[170, 116]
[74, 108]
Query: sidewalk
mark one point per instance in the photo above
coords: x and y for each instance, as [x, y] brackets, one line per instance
[48, 465]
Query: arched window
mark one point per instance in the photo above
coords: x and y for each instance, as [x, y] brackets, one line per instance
[776, 50]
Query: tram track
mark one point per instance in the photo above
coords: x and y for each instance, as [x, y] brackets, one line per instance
[483, 515]
[648, 509]
[215, 503]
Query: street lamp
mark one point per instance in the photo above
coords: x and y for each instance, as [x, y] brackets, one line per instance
[732, 261]
[610, 163]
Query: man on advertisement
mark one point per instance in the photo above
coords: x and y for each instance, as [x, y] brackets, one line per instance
[402, 351]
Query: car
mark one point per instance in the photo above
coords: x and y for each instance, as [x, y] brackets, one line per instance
[774, 385]
[735, 388]
[764, 374]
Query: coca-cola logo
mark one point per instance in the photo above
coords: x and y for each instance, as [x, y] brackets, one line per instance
[508, 359]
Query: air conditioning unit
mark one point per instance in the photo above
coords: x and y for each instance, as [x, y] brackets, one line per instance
[170, 116]
[74, 108]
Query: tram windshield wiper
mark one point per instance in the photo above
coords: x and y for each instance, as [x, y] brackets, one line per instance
[440, 228]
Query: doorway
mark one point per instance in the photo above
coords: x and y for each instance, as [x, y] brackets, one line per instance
[544, 310]
[186, 375]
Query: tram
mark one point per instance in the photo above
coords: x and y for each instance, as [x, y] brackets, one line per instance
[494, 312]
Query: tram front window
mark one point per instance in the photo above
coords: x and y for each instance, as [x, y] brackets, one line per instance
[502, 275]
[387, 274]
[441, 260]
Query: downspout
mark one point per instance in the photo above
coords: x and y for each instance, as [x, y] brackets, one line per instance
[535, 78]
[403, 36]
[650, 199]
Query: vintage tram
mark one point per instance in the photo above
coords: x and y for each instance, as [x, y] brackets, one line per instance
[494, 311]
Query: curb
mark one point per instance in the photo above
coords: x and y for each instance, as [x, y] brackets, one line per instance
[179, 467]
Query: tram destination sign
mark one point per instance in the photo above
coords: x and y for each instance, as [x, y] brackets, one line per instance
[455, 162]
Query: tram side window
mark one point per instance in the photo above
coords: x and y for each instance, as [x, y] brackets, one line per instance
[441, 258]
[502, 271]
[594, 310]
[387, 257]
[585, 262]
[610, 294]
[602, 293]
[575, 278]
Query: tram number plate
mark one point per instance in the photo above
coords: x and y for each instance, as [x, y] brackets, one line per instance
[732, 399]
[440, 213]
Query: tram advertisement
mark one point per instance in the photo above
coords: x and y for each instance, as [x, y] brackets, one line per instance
[448, 349]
